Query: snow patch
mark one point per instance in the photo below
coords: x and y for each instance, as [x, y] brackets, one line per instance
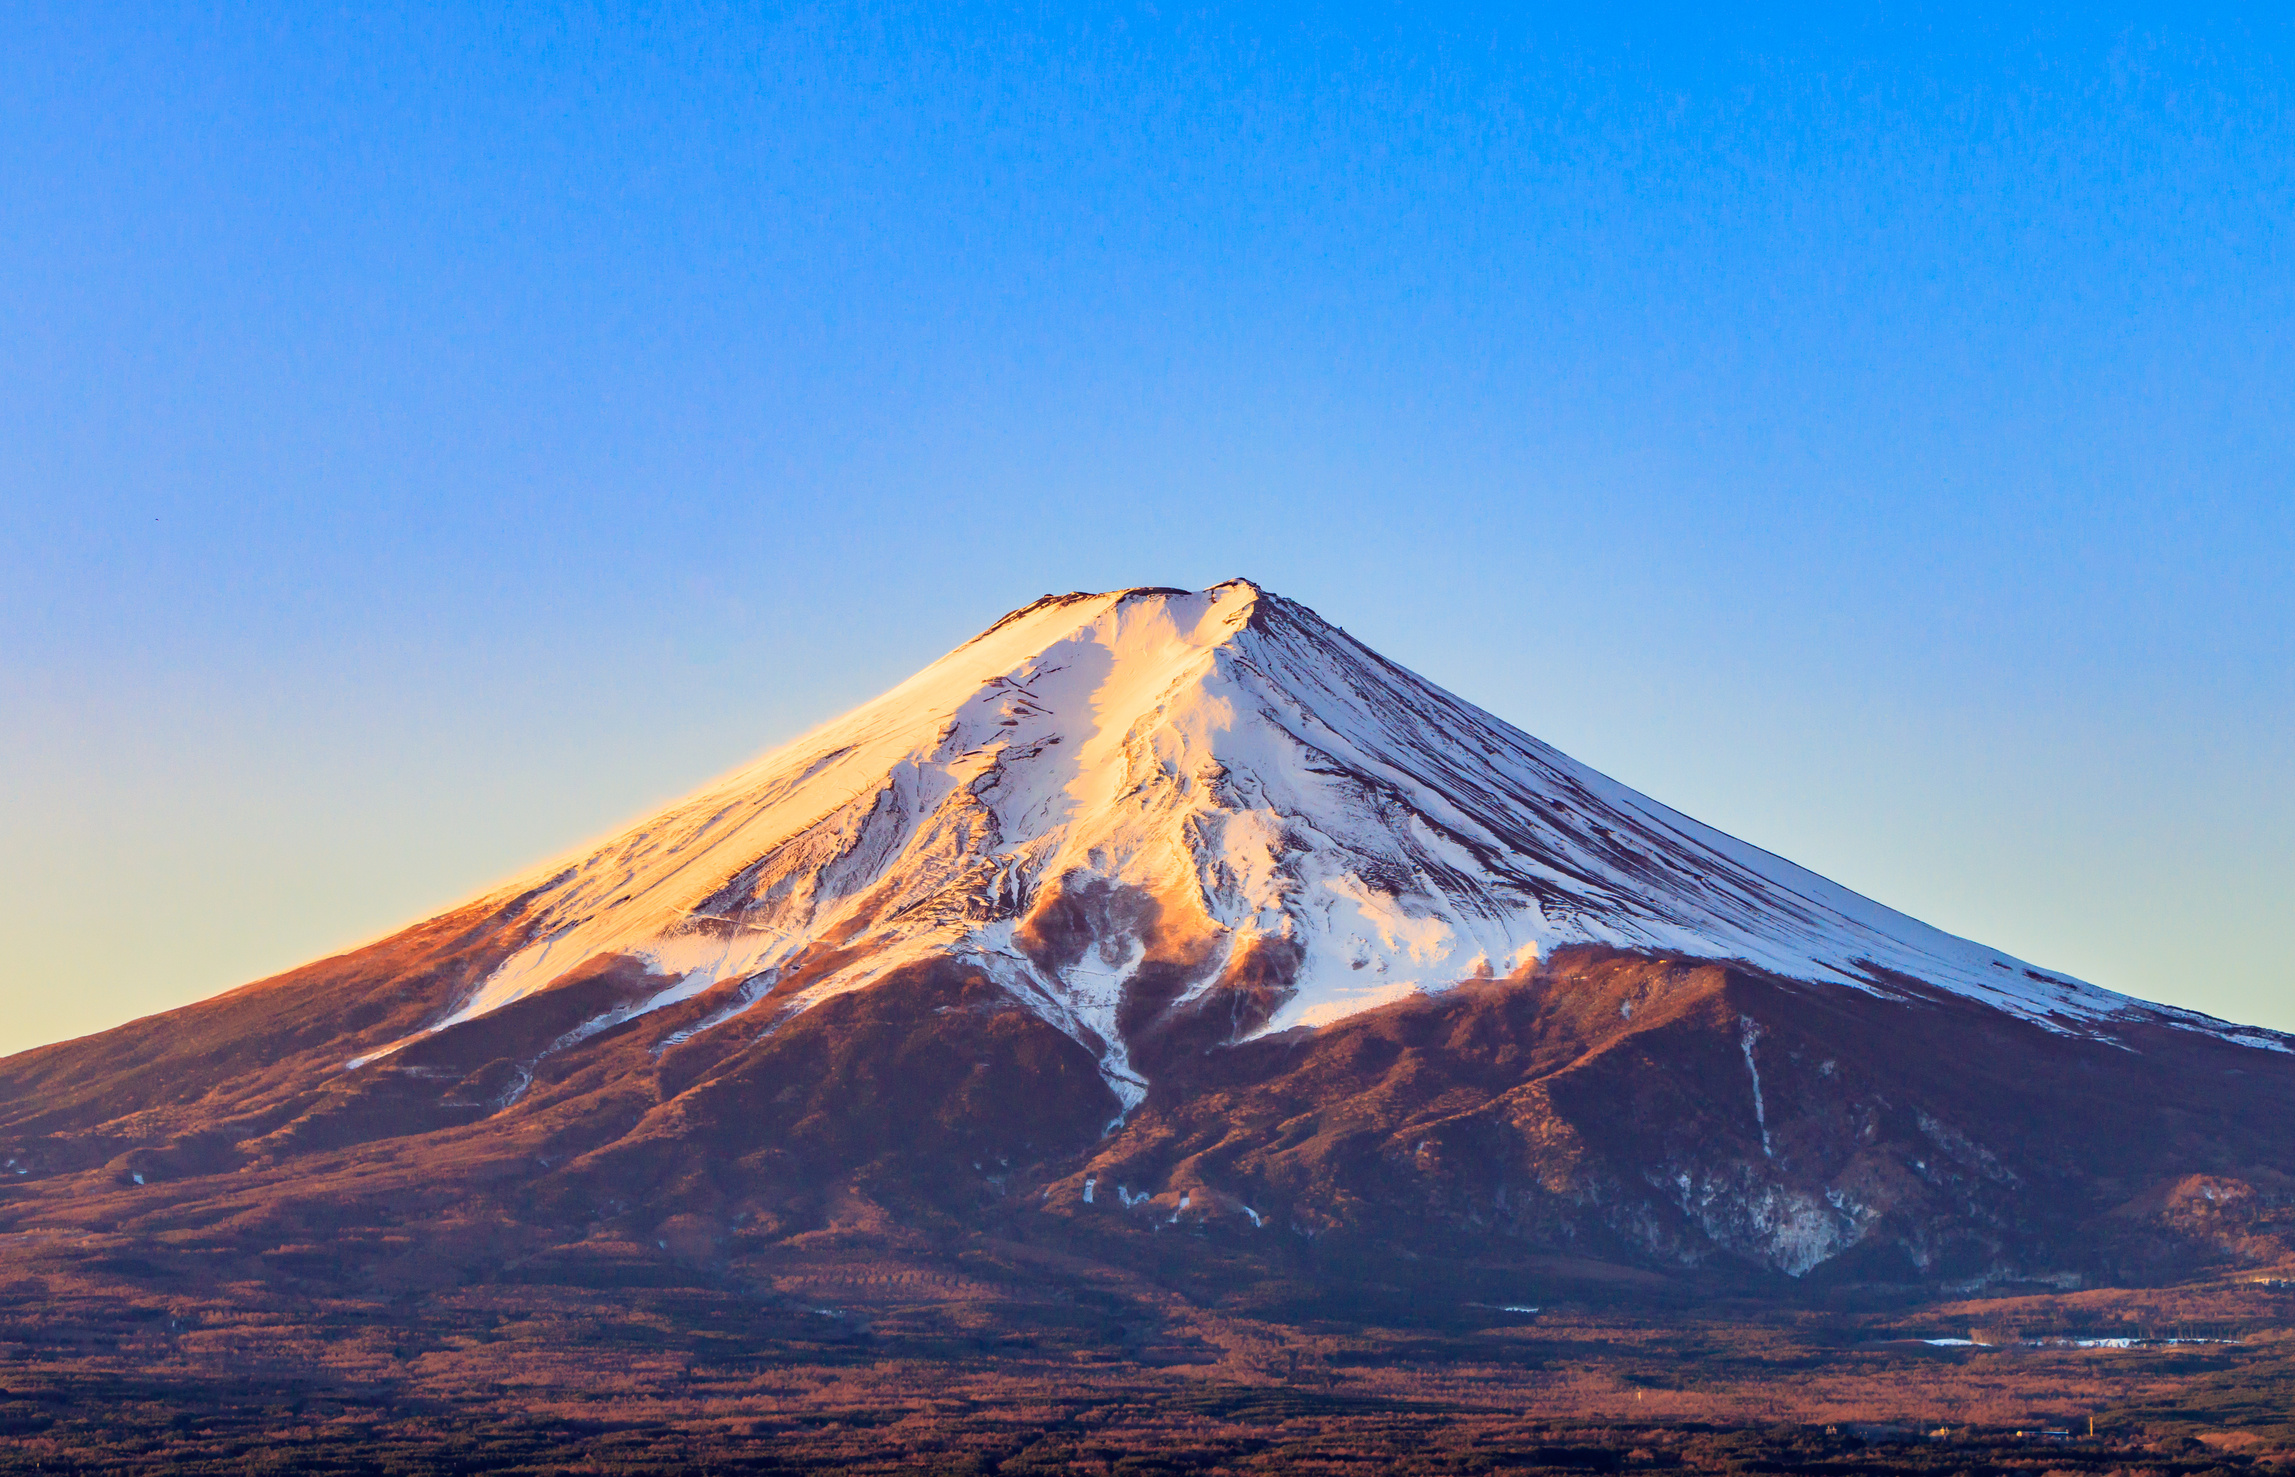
[1749, 1032]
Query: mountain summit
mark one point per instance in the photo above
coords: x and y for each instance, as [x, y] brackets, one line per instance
[1175, 801]
[1158, 910]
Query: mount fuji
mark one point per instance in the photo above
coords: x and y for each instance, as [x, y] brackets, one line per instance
[1191, 796]
[1163, 910]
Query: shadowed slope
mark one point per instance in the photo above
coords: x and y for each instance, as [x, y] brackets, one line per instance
[1684, 1117]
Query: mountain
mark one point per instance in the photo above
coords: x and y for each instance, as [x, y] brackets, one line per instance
[1158, 910]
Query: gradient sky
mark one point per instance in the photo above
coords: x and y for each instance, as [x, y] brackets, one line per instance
[427, 442]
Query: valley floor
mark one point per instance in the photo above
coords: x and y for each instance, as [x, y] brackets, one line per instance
[995, 1356]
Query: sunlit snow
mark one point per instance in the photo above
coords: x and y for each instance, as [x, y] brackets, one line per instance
[1251, 778]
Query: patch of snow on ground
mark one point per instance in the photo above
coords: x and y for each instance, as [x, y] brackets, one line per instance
[1749, 1032]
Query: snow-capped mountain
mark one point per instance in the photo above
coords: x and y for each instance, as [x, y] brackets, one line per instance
[1258, 785]
[1162, 909]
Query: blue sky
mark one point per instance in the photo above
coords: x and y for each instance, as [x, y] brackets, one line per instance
[427, 442]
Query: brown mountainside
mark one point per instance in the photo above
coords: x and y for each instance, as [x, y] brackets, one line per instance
[1690, 1119]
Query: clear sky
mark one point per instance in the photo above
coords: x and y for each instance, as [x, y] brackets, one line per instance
[429, 441]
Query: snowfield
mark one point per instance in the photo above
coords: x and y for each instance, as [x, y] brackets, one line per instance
[1234, 777]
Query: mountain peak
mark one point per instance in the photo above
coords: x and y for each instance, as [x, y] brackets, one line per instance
[1127, 806]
